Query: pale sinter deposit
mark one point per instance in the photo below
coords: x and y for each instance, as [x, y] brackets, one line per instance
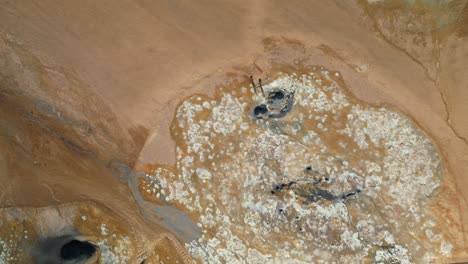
[331, 179]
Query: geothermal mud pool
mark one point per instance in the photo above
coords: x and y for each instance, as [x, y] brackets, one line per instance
[306, 174]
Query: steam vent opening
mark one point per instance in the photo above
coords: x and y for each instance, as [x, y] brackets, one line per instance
[260, 110]
[77, 250]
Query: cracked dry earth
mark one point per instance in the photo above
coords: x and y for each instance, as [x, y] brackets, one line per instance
[331, 180]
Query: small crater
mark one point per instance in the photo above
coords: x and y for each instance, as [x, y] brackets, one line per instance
[279, 103]
[260, 110]
[276, 97]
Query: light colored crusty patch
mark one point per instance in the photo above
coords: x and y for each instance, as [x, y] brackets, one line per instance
[335, 179]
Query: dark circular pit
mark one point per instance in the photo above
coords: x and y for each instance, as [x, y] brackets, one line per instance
[276, 96]
[76, 249]
[260, 110]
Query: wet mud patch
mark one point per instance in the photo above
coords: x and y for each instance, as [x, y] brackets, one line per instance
[301, 172]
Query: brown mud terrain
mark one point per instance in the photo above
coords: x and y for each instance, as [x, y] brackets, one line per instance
[130, 131]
